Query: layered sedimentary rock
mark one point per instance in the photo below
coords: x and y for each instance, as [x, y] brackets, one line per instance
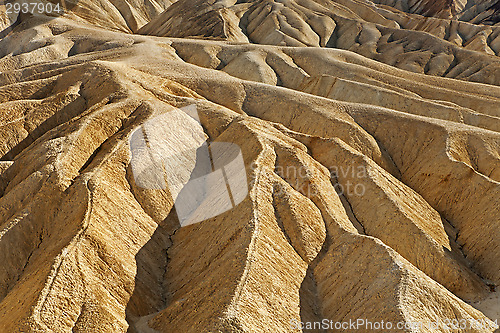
[371, 147]
[389, 36]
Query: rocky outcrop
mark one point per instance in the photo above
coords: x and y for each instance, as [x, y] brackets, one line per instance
[370, 152]
[459, 49]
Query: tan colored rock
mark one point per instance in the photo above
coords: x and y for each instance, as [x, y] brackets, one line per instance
[372, 171]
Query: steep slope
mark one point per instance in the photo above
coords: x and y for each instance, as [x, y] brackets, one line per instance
[373, 191]
[456, 49]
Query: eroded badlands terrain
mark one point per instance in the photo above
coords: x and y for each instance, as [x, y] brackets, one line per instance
[370, 133]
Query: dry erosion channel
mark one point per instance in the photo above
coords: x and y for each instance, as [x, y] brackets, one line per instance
[249, 166]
